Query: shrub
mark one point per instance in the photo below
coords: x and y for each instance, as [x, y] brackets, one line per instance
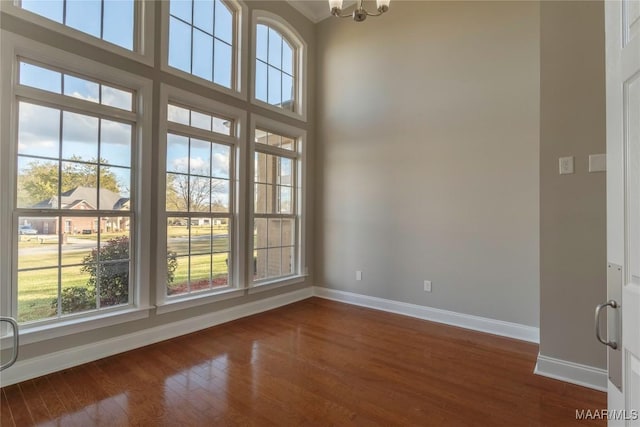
[76, 298]
[113, 278]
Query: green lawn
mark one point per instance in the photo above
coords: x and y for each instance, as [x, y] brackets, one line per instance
[38, 289]
[182, 230]
[181, 247]
[200, 269]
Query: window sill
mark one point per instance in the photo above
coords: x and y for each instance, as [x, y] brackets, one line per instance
[277, 283]
[196, 300]
[35, 333]
[292, 114]
[239, 94]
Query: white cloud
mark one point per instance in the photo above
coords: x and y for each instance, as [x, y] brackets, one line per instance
[115, 133]
[39, 130]
[220, 164]
[116, 98]
[182, 163]
[178, 114]
[198, 163]
[79, 128]
[78, 95]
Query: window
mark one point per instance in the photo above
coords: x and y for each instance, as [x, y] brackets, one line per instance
[201, 40]
[279, 60]
[199, 201]
[76, 139]
[113, 21]
[275, 68]
[276, 189]
[83, 181]
[75, 86]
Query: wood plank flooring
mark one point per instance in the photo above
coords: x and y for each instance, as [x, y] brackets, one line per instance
[316, 362]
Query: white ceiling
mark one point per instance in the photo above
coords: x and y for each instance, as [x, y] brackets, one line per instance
[316, 10]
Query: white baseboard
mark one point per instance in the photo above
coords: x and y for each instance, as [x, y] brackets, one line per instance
[46, 364]
[467, 321]
[554, 368]
[574, 373]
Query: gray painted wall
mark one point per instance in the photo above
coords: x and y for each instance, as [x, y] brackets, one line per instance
[306, 30]
[428, 167]
[572, 207]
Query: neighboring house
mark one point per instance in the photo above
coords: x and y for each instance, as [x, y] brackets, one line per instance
[81, 198]
[268, 196]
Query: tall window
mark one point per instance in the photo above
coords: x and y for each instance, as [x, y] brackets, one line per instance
[110, 20]
[275, 216]
[275, 80]
[201, 39]
[79, 196]
[199, 200]
[73, 192]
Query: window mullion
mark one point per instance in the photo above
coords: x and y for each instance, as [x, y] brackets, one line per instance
[56, 100]
[58, 203]
[102, 19]
[189, 131]
[275, 151]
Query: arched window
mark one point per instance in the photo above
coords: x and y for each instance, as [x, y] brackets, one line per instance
[202, 39]
[278, 64]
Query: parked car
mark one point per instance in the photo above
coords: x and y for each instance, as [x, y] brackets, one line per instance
[26, 229]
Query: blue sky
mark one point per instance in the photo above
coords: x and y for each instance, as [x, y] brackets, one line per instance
[200, 39]
[84, 15]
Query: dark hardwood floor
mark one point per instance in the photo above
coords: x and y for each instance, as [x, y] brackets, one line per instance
[316, 362]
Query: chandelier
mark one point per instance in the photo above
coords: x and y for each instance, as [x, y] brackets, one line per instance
[359, 13]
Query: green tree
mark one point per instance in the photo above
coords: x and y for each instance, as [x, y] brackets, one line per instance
[39, 181]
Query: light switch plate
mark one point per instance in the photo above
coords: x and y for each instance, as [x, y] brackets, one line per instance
[566, 165]
[597, 163]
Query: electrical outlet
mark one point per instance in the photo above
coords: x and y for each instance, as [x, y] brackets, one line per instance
[358, 275]
[566, 165]
[427, 285]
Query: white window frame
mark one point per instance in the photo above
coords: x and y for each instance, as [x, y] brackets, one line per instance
[13, 47]
[300, 63]
[240, 45]
[299, 276]
[169, 94]
[143, 34]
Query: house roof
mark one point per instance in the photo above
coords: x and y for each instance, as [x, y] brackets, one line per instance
[85, 196]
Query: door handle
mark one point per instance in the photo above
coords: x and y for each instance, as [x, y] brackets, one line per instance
[16, 342]
[613, 304]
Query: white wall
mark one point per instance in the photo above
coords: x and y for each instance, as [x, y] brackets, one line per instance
[428, 156]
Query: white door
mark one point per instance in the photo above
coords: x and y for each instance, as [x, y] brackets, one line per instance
[623, 208]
